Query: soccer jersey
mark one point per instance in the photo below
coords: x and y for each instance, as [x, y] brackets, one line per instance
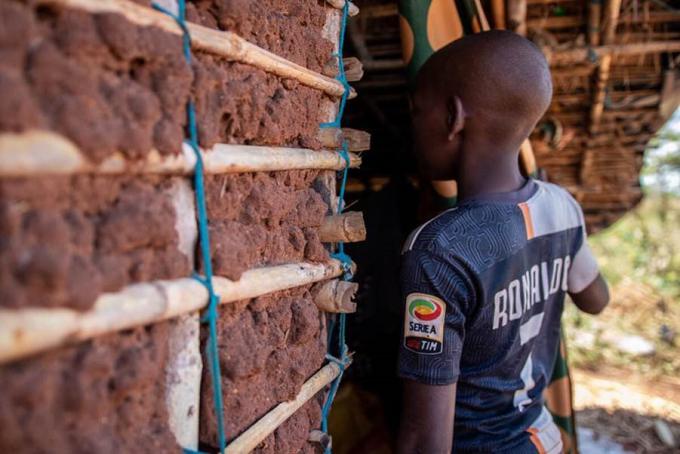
[484, 286]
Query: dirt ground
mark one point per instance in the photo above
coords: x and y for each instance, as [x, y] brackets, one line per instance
[622, 407]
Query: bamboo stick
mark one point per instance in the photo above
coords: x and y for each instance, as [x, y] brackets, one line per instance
[266, 425]
[333, 138]
[31, 330]
[219, 42]
[579, 55]
[43, 152]
[353, 9]
[336, 296]
[348, 227]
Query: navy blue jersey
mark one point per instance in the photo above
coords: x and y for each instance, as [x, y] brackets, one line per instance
[484, 286]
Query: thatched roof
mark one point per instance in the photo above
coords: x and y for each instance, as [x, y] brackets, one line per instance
[615, 82]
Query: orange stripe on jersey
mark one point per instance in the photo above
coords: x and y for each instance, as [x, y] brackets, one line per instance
[528, 222]
[533, 435]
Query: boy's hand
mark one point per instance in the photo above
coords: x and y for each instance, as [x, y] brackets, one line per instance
[594, 298]
[427, 418]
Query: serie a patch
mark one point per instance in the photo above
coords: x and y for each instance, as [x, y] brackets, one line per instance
[424, 323]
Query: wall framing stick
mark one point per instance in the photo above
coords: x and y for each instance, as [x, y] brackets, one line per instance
[223, 43]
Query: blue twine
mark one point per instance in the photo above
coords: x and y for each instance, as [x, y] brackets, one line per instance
[340, 255]
[210, 316]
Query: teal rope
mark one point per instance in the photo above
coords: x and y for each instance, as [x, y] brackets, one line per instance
[210, 316]
[340, 255]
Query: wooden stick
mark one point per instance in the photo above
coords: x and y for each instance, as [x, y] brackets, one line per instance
[579, 55]
[183, 379]
[526, 157]
[597, 107]
[348, 227]
[481, 15]
[340, 4]
[266, 425]
[322, 438]
[31, 330]
[183, 369]
[43, 152]
[223, 43]
[333, 138]
[336, 296]
[517, 16]
[498, 13]
[354, 70]
[611, 20]
[594, 13]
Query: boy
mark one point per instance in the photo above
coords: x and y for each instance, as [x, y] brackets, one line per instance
[484, 283]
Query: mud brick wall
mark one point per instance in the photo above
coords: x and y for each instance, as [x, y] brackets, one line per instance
[98, 396]
[110, 86]
[65, 240]
[269, 346]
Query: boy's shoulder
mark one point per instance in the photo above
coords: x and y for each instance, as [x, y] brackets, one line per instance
[482, 232]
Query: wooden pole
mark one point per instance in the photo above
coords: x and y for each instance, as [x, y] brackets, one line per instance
[183, 379]
[333, 138]
[184, 366]
[31, 330]
[498, 13]
[517, 16]
[340, 4]
[348, 227]
[594, 13]
[44, 152]
[223, 43]
[611, 17]
[336, 296]
[266, 425]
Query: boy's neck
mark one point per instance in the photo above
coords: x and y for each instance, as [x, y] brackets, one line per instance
[489, 172]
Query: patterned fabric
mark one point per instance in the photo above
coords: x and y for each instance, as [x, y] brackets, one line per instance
[484, 286]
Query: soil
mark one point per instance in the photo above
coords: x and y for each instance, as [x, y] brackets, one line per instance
[65, 240]
[105, 395]
[264, 219]
[109, 85]
[268, 347]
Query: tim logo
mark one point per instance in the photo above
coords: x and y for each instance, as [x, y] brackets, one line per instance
[424, 324]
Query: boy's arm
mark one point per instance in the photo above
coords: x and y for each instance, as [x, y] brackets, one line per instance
[427, 418]
[437, 297]
[594, 298]
[585, 285]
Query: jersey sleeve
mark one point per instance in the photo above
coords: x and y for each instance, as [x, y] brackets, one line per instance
[584, 268]
[435, 298]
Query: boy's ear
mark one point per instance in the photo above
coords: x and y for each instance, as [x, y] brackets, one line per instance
[456, 116]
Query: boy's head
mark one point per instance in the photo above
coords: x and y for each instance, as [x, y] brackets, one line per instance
[479, 95]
